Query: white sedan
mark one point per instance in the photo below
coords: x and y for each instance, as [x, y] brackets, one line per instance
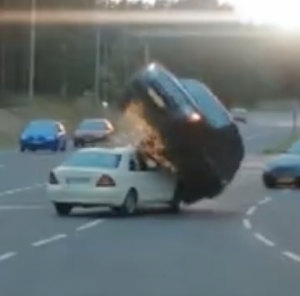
[119, 178]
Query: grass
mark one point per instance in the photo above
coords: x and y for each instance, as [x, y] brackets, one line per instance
[283, 145]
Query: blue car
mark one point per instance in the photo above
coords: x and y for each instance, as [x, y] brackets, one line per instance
[283, 169]
[43, 135]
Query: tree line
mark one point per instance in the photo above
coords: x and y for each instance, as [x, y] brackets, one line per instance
[240, 70]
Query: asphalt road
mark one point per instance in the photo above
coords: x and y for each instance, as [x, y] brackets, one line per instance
[244, 244]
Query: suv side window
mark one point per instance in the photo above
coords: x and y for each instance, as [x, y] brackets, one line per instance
[208, 103]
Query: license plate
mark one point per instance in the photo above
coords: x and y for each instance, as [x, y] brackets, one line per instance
[77, 180]
[285, 180]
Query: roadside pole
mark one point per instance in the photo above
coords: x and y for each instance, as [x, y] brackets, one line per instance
[97, 75]
[32, 45]
[295, 118]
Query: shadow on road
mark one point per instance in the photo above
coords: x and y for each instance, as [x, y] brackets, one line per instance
[162, 213]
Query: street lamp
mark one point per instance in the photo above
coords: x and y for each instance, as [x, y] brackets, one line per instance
[104, 104]
[32, 51]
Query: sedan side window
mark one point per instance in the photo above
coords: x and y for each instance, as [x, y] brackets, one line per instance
[133, 166]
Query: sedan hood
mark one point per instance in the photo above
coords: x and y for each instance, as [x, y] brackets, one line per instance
[284, 160]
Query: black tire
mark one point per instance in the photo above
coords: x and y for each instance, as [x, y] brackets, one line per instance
[174, 205]
[129, 206]
[269, 183]
[55, 148]
[22, 148]
[63, 147]
[62, 209]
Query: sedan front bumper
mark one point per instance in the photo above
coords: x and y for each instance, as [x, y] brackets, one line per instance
[49, 144]
[272, 180]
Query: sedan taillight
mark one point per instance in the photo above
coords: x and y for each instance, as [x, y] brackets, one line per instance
[52, 179]
[105, 181]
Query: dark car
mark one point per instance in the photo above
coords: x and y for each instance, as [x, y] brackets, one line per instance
[43, 134]
[91, 131]
[187, 129]
[284, 169]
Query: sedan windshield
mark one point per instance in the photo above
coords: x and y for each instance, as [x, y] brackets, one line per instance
[94, 160]
[40, 127]
[92, 125]
[295, 148]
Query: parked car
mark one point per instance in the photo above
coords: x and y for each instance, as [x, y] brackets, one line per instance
[91, 131]
[283, 169]
[43, 134]
[120, 178]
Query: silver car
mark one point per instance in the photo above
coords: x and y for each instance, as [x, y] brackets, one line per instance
[91, 131]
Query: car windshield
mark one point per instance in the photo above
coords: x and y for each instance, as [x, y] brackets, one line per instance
[40, 126]
[94, 160]
[92, 125]
[295, 148]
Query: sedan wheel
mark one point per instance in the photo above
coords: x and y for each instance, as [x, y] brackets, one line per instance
[62, 209]
[129, 206]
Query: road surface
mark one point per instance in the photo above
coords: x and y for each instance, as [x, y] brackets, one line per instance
[246, 243]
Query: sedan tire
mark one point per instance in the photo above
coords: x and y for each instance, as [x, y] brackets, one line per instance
[129, 206]
[269, 183]
[62, 209]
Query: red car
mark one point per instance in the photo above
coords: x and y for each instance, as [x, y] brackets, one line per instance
[91, 131]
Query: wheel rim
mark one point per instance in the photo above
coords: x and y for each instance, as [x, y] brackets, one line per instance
[130, 204]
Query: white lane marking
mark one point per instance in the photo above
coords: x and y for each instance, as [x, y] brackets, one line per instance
[6, 256]
[251, 211]
[20, 207]
[17, 190]
[89, 225]
[247, 224]
[49, 240]
[264, 240]
[260, 135]
[292, 256]
[265, 200]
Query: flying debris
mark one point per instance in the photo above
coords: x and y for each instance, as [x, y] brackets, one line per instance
[185, 129]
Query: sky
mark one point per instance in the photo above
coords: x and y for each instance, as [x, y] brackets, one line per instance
[280, 13]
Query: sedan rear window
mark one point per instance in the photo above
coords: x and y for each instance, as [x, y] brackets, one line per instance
[94, 160]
